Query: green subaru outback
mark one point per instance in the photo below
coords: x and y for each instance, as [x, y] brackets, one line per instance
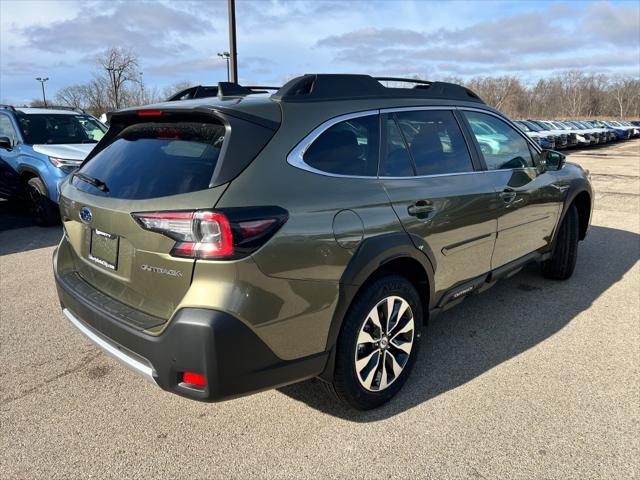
[225, 245]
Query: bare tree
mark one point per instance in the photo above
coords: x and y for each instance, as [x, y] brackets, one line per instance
[624, 91]
[121, 67]
[499, 92]
[73, 96]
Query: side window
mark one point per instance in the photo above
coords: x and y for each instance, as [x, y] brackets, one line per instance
[347, 148]
[397, 162]
[502, 146]
[435, 142]
[6, 128]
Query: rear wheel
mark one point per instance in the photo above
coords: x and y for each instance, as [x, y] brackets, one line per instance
[565, 252]
[43, 211]
[378, 344]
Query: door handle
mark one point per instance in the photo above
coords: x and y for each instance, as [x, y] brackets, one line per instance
[421, 209]
[508, 195]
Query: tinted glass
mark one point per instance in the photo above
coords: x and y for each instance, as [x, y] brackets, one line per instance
[347, 148]
[501, 145]
[397, 162]
[55, 129]
[150, 160]
[435, 142]
[94, 129]
[6, 128]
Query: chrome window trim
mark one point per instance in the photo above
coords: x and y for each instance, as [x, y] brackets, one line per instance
[436, 175]
[417, 109]
[296, 156]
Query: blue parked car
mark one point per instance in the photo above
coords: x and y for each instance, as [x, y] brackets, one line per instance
[39, 147]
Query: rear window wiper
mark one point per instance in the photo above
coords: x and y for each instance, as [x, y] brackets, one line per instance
[99, 184]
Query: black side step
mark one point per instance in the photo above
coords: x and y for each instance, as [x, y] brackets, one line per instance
[462, 290]
[479, 284]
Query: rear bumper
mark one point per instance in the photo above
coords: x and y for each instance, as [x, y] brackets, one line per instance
[233, 359]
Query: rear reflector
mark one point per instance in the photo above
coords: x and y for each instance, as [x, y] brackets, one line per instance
[255, 227]
[194, 379]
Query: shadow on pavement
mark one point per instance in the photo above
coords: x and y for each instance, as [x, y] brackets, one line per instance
[18, 233]
[493, 327]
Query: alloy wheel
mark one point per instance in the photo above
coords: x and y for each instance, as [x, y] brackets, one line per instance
[384, 343]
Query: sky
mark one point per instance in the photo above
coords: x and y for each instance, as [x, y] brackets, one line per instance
[277, 39]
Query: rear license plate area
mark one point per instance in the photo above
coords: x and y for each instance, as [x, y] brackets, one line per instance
[104, 249]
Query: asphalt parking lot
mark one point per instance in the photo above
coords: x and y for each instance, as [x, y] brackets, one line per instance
[533, 379]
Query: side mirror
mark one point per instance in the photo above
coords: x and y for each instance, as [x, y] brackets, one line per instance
[5, 143]
[553, 160]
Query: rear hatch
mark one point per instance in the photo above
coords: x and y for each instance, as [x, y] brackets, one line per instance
[151, 161]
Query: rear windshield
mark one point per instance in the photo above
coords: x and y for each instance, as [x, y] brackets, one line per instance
[149, 160]
[61, 129]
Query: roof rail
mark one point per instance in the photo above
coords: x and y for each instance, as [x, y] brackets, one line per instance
[327, 87]
[63, 107]
[56, 107]
[404, 80]
[8, 107]
[223, 89]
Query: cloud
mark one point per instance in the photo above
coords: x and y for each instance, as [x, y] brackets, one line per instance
[619, 25]
[26, 67]
[278, 39]
[556, 37]
[374, 37]
[153, 29]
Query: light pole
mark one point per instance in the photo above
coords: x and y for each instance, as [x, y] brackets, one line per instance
[42, 80]
[232, 41]
[226, 56]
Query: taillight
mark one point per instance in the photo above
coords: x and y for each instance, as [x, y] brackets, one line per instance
[205, 234]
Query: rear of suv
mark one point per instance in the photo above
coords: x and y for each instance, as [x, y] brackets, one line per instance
[223, 246]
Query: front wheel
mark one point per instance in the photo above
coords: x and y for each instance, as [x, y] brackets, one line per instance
[565, 251]
[43, 211]
[379, 343]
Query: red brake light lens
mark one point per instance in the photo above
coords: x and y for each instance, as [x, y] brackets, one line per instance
[194, 379]
[149, 113]
[221, 234]
[199, 234]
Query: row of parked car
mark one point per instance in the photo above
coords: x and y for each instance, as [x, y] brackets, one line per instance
[560, 134]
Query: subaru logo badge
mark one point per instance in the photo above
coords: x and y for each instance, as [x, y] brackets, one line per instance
[85, 215]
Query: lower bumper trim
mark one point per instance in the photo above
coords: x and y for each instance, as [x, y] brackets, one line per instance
[113, 350]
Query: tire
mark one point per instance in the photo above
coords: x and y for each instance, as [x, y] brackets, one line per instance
[565, 251]
[378, 354]
[43, 211]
